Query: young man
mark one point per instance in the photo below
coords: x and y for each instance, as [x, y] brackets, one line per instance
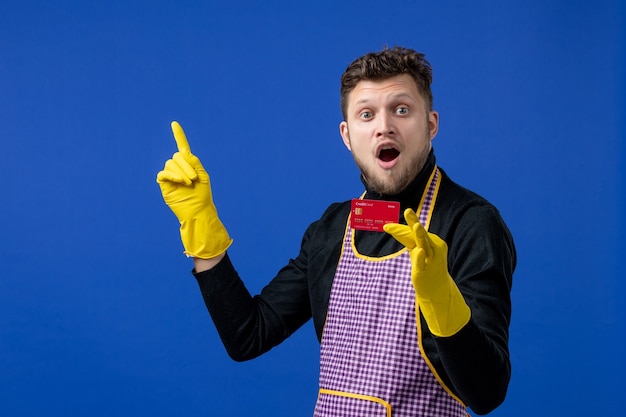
[412, 320]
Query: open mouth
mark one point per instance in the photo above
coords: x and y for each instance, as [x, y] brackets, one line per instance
[388, 154]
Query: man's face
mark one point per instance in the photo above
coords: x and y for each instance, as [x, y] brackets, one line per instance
[389, 132]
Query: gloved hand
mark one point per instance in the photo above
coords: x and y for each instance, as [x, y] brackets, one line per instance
[186, 189]
[437, 295]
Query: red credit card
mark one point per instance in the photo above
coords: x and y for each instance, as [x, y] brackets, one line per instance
[373, 214]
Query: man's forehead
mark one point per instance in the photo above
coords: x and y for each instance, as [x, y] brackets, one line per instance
[399, 86]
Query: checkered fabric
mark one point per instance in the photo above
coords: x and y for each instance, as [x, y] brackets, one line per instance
[370, 347]
[427, 205]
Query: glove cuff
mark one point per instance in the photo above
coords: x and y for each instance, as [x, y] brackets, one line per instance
[445, 312]
[204, 238]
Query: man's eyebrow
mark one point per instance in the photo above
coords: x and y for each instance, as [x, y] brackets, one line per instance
[396, 96]
[402, 95]
[362, 100]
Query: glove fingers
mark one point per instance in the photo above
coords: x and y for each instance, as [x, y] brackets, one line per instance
[180, 137]
[422, 240]
[411, 217]
[185, 165]
[162, 177]
[173, 173]
[401, 233]
[419, 259]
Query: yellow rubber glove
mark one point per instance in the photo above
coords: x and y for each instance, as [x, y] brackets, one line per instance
[437, 295]
[186, 189]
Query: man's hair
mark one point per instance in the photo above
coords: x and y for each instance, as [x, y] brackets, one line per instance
[378, 66]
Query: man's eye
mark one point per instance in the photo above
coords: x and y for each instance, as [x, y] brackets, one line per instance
[402, 110]
[366, 115]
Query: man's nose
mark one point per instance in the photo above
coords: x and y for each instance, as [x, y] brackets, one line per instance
[385, 125]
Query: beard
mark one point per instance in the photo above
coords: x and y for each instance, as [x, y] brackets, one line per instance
[395, 180]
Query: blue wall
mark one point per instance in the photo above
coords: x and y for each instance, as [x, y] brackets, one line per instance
[99, 314]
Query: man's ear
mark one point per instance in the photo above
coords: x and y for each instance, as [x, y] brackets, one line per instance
[433, 124]
[343, 130]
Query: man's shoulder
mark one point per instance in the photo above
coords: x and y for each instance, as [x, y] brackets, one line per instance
[324, 234]
[458, 207]
[337, 209]
[458, 196]
[334, 217]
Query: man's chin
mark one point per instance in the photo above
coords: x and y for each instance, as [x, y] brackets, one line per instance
[386, 186]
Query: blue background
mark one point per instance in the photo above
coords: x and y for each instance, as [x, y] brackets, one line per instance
[99, 314]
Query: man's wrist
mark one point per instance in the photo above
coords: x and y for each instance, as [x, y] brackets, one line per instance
[201, 265]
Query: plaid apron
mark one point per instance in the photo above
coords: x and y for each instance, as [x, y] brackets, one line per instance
[370, 361]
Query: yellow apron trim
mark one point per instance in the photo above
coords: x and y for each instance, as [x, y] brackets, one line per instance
[417, 311]
[358, 397]
[427, 360]
[371, 258]
[435, 192]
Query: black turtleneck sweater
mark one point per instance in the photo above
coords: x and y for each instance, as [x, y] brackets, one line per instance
[474, 363]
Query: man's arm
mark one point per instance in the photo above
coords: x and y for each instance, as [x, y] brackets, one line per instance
[481, 259]
[252, 325]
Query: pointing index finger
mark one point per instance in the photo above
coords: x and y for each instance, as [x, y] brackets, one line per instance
[180, 138]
